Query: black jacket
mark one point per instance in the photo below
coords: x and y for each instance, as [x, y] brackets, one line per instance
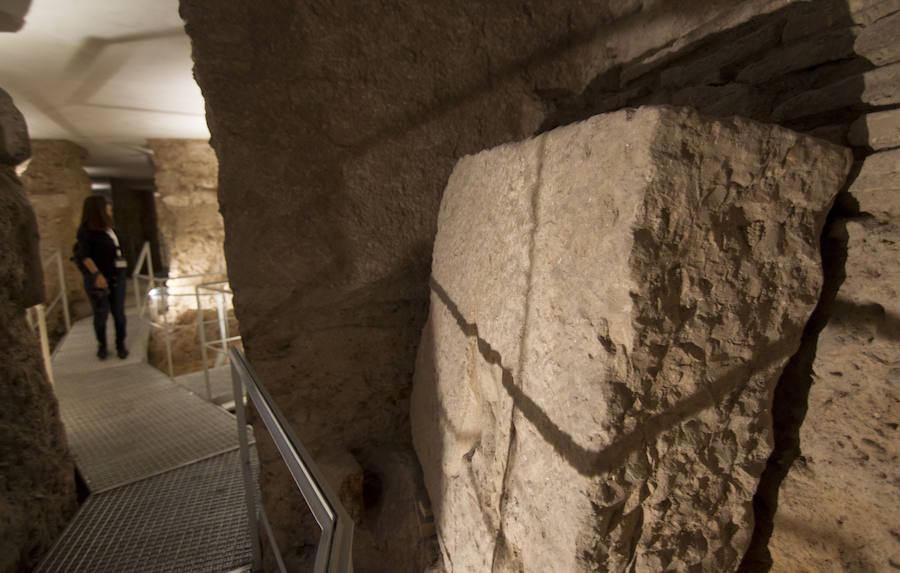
[99, 247]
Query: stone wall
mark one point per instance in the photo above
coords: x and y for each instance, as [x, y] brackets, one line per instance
[57, 185]
[335, 140]
[190, 227]
[829, 68]
[38, 477]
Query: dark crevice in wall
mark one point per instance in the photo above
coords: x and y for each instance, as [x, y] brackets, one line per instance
[789, 403]
[82, 491]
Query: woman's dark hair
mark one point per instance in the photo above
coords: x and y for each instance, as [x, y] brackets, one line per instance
[94, 216]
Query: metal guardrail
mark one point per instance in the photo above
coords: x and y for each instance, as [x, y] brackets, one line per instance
[40, 311]
[152, 302]
[159, 297]
[334, 552]
[144, 259]
[61, 296]
[40, 323]
[219, 289]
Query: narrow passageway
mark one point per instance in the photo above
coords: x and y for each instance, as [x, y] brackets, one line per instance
[161, 464]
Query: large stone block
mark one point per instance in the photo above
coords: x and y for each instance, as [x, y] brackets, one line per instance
[880, 130]
[612, 304]
[879, 43]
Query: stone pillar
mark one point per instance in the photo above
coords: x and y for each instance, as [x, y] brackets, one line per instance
[57, 185]
[35, 468]
[609, 318]
[190, 226]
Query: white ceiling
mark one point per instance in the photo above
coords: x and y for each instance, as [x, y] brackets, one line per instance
[106, 74]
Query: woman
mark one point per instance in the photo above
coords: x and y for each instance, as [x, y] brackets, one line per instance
[99, 256]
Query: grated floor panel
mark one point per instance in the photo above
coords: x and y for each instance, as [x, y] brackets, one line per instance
[133, 422]
[161, 464]
[189, 519]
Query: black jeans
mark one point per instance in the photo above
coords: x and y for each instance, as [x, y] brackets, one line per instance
[102, 305]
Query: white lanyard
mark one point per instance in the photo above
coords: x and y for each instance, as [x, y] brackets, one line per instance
[120, 260]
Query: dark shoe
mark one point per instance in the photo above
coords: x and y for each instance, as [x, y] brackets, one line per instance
[102, 353]
[122, 352]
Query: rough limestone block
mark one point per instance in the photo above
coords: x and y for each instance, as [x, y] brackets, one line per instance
[877, 180]
[879, 130]
[709, 69]
[880, 43]
[612, 304]
[837, 508]
[877, 87]
[815, 51]
[868, 12]
[36, 471]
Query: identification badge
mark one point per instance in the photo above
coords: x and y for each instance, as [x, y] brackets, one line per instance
[121, 263]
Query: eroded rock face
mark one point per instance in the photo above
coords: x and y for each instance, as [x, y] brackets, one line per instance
[612, 304]
[336, 139]
[35, 468]
[188, 209]
[57, 185]
[837, 507]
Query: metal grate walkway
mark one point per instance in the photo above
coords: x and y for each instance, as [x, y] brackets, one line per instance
[161, 464]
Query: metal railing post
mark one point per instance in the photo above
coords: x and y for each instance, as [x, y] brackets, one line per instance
[202, 326]
[62, 290]
[144, 258]
[136, 276]
[223, 328]
[45, 341]
[246, 469]
[168, 336]
[334, 553]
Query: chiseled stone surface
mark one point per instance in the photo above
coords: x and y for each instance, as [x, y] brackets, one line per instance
[36, 472]
[57, 185]
[838, 505]
[879, 130]
[879, 42]
[612, 305]
[190, 226]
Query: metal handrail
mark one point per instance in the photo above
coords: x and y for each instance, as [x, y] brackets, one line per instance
[41, 311]
[143, 295]
[222, 289]
[41, 324]
[61, 296]
[143, 257]
[334, 552]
